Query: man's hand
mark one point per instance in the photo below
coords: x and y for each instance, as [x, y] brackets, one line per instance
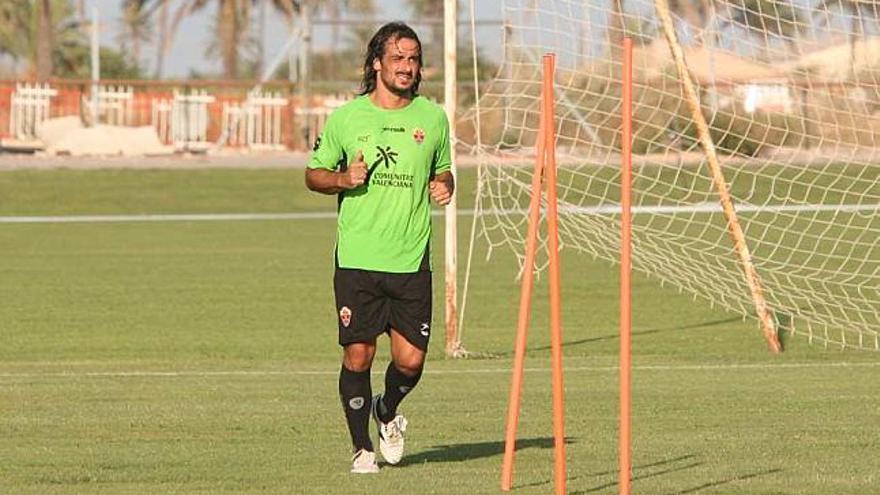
[441, 189]
[356, 173]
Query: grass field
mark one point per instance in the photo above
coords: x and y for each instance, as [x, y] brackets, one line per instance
[175, 357]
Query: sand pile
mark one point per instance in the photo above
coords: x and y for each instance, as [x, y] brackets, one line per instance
[68, 136]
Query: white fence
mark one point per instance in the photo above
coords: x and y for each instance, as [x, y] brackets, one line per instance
[115, 104]
[30, 105]
[264, 120]
[313, 119]
[160, 118]
[256, 122]
[183, 120]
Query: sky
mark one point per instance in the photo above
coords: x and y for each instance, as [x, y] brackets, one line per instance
[557, 26]
[195, 32]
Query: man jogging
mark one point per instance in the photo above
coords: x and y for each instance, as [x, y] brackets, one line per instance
[384, 154]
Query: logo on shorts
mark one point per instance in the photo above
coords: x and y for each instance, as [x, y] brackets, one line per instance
[419, 136]
[425, 329]
[345, 316]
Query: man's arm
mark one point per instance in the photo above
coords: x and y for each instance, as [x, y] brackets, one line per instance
[324, 181]
[330, 182]
[442, 187]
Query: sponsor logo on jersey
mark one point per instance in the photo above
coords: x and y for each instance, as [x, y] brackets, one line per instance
[386, 156]
[392, 179]
[393, 129]
[363, 138]
[317, 143]
[345, 316]
[384, 177]
[419, 136]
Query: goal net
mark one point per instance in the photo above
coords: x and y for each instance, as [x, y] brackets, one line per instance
[792, 102]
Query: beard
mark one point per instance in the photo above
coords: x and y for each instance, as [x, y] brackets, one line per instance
[390, 82]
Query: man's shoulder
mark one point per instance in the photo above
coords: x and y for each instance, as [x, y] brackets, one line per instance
[342, 112]
[430, 111]
[428, 105]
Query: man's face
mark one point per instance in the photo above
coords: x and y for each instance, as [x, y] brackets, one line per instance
[399, 65]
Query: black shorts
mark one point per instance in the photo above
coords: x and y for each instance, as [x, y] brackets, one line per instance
[370, 303]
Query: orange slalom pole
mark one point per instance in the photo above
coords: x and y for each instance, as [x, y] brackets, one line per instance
[555, 282]
[625, 476]
[525, 307]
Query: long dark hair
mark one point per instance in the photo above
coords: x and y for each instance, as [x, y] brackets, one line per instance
[376, 49]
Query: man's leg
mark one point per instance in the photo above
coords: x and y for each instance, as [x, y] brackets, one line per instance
[355, 391]
[410, 322]
[401, 377]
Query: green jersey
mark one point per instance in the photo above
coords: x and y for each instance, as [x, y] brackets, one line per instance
[385, 224]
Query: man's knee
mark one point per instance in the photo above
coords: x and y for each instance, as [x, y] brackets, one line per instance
[358, 356]
[407, 358]
[410, 365]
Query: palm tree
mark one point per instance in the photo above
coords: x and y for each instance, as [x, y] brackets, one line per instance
[232, 24]
[45, 39]
[164, 41]
[15, 28]
[44, 33]
[137, 27]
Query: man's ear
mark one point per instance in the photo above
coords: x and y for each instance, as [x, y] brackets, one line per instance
[377, 64]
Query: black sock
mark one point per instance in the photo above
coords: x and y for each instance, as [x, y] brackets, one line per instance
[356, 393]
[397, 385]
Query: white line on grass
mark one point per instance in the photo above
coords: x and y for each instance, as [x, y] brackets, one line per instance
[260, 373]
[322, 215]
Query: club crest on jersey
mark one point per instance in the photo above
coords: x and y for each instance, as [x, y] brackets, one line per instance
[419, 136]
[345, 316]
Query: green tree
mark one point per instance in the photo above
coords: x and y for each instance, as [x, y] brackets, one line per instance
[15, 28]
[42, 33]
[114, 64]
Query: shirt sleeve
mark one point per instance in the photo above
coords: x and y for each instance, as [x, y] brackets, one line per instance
[442, 155]
[327, 152]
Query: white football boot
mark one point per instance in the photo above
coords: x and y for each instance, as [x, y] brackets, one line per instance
[364, 462]
[390, 434]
